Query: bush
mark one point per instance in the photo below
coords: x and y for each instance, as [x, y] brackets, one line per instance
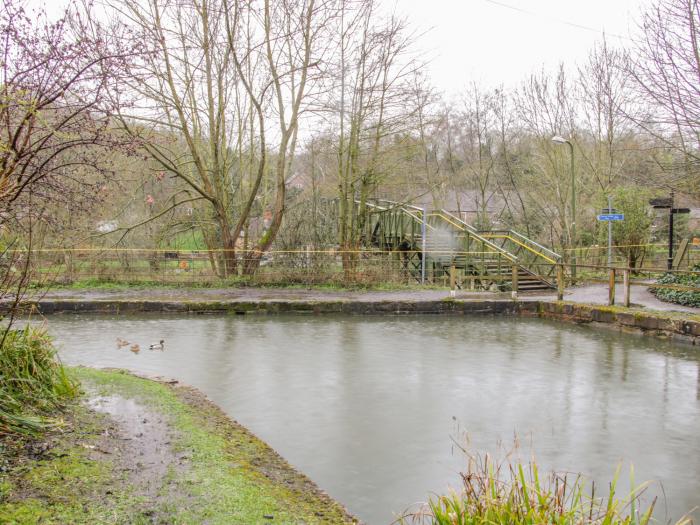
[682, 297]
[33, 383]
[499, 494]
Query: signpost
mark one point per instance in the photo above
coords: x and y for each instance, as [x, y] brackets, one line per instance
[609, 215]
[667, 203]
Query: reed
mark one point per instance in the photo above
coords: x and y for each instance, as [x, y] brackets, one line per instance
[512, 493]
[33, 383]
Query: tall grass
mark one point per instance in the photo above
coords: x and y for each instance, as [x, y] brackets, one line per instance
[33, 383]
[512, 493]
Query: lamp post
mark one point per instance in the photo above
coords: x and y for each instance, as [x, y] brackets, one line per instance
[561, 140]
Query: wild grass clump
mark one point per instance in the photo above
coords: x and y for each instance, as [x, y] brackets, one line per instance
[516, 494]
[33, 383]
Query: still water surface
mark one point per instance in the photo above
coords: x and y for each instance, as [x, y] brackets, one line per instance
[368, 406]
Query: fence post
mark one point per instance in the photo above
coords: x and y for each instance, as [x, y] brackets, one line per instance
[611, 287]
[453, 280]
[627, 285]
[514, 292]
[560, 282]
[68, 259]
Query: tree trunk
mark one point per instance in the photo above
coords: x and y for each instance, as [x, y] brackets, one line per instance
[228, 243]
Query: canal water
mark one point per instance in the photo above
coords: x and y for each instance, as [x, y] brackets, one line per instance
[370, 407]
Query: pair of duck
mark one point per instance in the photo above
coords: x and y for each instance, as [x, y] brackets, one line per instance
[135, 348]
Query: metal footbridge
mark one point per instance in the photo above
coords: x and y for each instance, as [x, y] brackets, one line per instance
[493, 259]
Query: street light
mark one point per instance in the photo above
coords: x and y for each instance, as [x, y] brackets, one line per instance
[561, 140]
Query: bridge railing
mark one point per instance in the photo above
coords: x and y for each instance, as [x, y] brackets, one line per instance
[390, 223]
[473, 254]
[474, 234]
[533, 257]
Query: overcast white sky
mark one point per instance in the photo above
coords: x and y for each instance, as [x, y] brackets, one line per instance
[502, 41]
[488, 41]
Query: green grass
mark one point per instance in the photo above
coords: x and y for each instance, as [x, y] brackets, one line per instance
[513, 493]
[235, 282]
[190, 241]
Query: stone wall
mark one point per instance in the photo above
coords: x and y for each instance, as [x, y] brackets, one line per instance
[651, 323]
[646, 322]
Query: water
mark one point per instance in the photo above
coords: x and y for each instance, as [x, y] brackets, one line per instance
[368, 406]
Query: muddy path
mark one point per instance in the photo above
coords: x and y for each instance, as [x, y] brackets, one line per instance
[140, 451]
[139, 439]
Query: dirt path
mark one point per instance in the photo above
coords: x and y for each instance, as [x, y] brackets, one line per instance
[139, 439]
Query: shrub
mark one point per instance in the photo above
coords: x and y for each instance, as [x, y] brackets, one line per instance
[500, 494]
[682, 297]
[33, 383]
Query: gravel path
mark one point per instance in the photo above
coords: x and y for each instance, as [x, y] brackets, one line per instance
[639, 296]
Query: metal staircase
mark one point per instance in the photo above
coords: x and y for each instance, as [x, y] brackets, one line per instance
[485, 260]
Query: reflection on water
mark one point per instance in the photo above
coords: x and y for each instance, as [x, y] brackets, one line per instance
[367, 406]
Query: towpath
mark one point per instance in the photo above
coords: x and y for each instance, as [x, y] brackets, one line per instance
[591, 294]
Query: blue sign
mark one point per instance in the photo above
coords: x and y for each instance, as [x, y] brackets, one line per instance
[612, 217]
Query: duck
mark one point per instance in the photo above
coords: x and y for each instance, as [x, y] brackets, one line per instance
[157, 346]
[135, 348]
[122, 342]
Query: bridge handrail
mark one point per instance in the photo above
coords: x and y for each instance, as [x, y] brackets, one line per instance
[463, 224]
[456, 221]
[400, 205]
[552, 253]
[524, 242]
[372, 205]
[416, 217]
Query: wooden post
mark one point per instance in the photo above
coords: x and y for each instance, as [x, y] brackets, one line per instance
[514, 292]
[611, 287]
[453, 280]
[68, 260]
[560, 282]
[627, 286]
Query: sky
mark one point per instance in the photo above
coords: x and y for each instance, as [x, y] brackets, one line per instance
[500, 42]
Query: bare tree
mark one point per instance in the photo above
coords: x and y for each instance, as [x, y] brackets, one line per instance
[478, 150]
[544, 106]
[53, 108]
[606, 104]
[372, 97]
[54, 127]
[666, 71]
[177, 101]
[291, 42]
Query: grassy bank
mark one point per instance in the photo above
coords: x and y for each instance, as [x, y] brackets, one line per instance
[205, 468]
